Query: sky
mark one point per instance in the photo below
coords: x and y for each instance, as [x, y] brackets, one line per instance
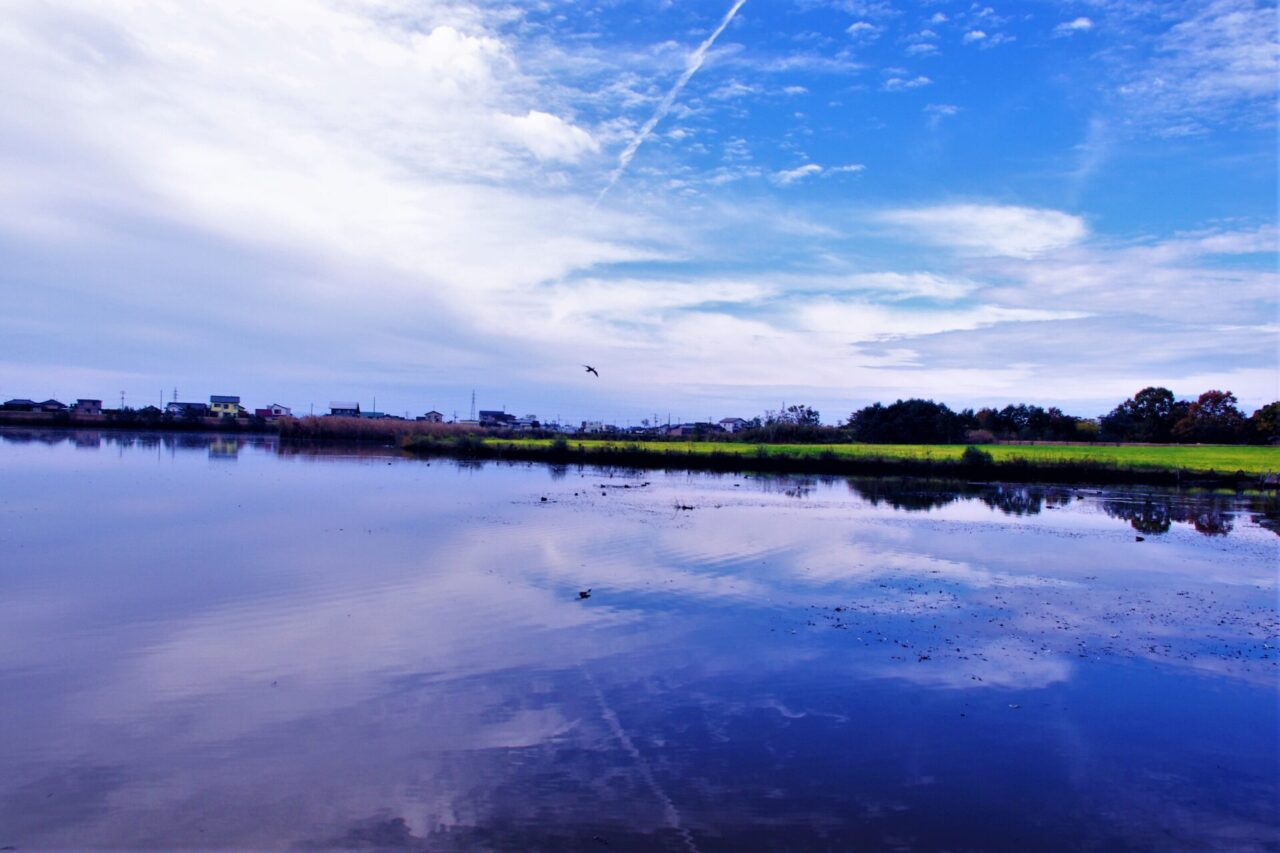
[723, 206]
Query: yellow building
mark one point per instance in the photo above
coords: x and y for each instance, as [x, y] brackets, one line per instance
[225, 407]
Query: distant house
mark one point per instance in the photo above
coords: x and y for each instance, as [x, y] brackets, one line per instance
[186, 410]
[52, 406]
[344, 410]
[275, 410]
[433, 417]
[225, 406]
[87, 407]
[494, 418]
[701, 428]
[525, 424]
[592, 426]
[20, 405]
[732, 424]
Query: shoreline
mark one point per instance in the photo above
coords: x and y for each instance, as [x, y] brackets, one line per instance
[1075, 473]
[727, 457]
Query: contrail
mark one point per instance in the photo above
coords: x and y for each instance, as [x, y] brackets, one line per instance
[669, 811]
[690, 68]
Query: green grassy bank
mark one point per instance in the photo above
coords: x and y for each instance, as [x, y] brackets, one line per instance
[1227, 465]
[1192, 458]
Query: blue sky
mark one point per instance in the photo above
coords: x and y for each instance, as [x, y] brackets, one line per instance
[722, 206]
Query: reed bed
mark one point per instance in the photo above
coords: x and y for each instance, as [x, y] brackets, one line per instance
[366, 429]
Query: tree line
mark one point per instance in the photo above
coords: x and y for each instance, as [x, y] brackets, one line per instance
[1152, 415]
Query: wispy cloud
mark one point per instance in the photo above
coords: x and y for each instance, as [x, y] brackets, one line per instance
[787, 177]
[1218, 66]
[691, 67]
[790, 176]
[901, 84]
[1011, 231]
[1070, 28]
[937, 112]
[864, 31]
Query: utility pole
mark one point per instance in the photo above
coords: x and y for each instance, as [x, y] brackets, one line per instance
[122, 401]
[473, 404]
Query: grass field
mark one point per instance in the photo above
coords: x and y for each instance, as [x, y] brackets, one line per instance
[1191, 458]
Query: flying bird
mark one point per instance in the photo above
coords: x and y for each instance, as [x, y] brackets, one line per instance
[591, 369]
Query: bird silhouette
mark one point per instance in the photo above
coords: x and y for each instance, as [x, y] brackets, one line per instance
[591, 369]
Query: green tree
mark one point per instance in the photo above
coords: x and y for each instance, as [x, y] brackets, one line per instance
[1265, 424]
[1213, 417]
[1148, 415]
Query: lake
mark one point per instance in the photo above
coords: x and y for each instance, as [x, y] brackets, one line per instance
[225, 642]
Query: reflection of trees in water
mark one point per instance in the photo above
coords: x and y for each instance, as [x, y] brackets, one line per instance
[1211, 515]
[1147, 517]
[800, 489]
[1268, 518]
[1014, 500]
[914, 495]
[905, 494]
[791, 485]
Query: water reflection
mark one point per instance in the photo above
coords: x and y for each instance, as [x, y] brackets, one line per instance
[1208, 514]
[341, 647]
[1148, 511]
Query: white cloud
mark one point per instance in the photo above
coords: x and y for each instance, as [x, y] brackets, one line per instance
[549, 137]
[1070, 28]
[973, 35]
[863, 30]
[1218, 66]
[732, 90]
[900, 84]
[855, 320]
[1020, 232]
[916, 285]
[790, 176]
[937, 112]
[808, 170]
[920, 49]
[312, 134]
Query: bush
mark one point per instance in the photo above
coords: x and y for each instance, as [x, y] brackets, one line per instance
[974, 456]
[980, 436]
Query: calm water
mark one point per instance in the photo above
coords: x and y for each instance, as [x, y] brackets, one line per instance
[220, 643]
